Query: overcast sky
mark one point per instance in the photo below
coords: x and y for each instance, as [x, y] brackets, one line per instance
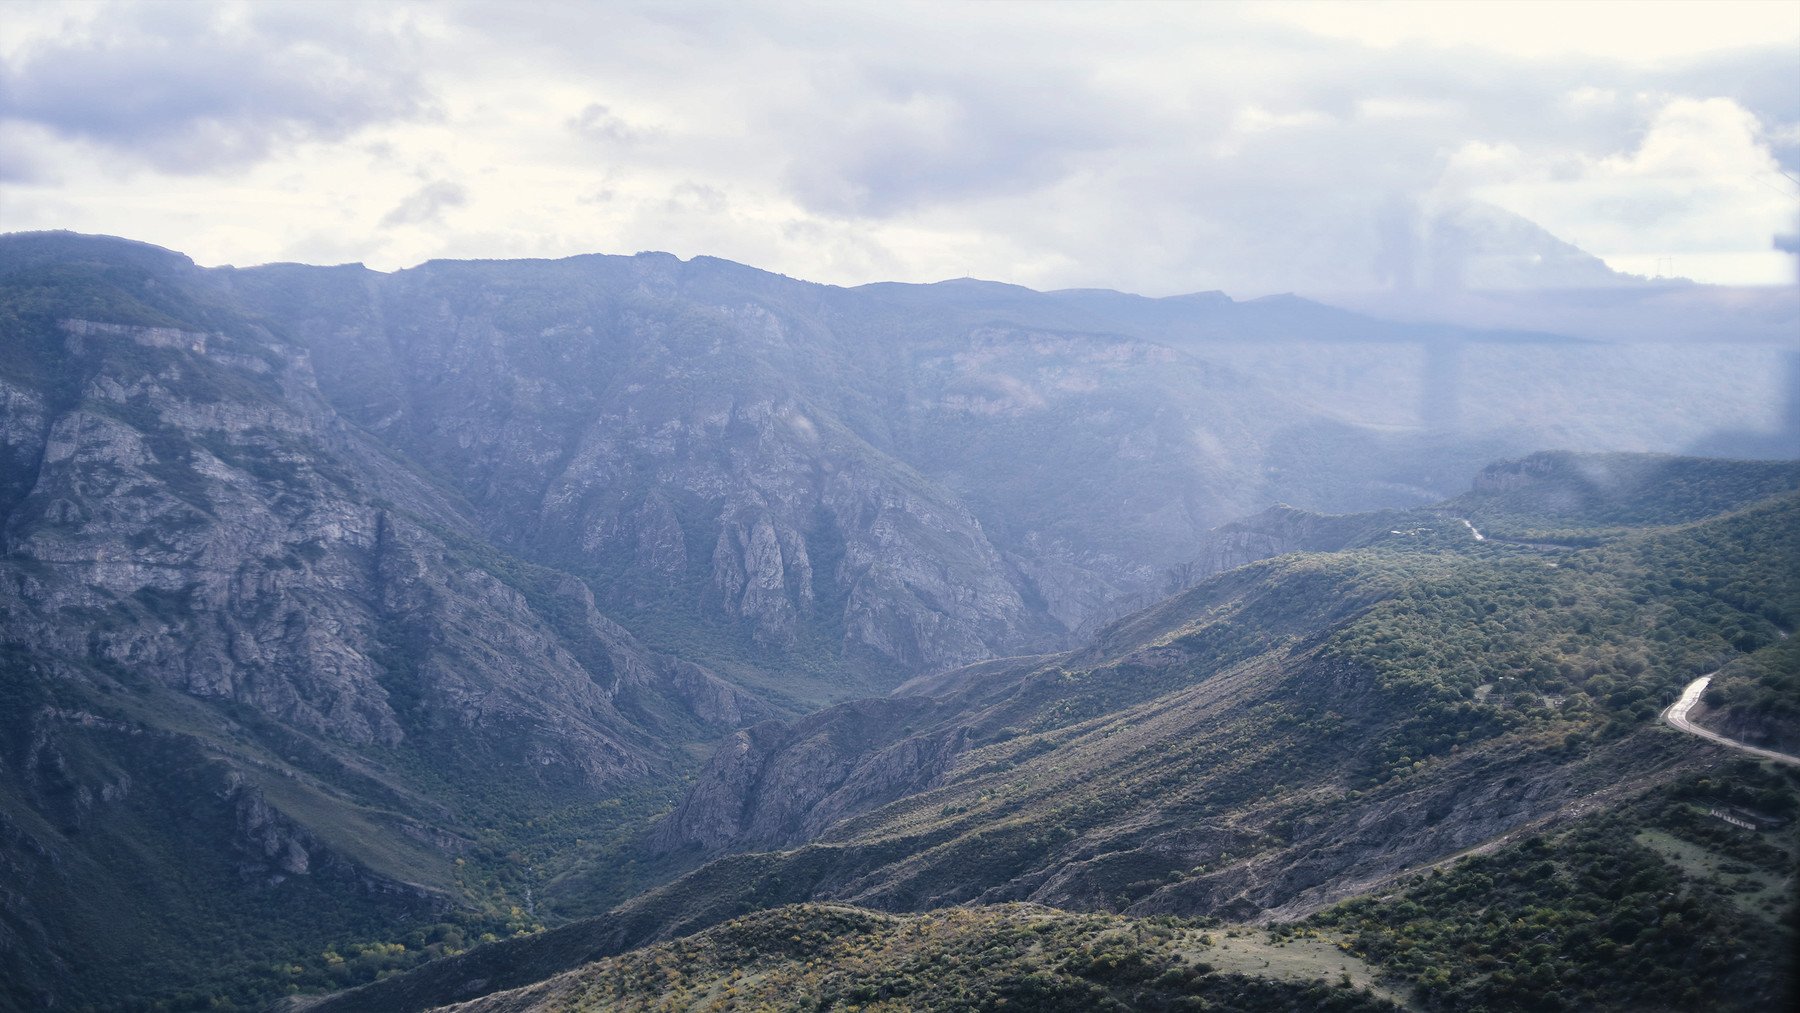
[1157, 148]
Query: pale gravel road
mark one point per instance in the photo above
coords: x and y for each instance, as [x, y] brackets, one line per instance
[1676, 716]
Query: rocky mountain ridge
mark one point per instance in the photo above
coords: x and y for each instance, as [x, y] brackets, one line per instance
[333, 600]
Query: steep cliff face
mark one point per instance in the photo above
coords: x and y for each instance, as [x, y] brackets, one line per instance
[880, 481]
[857, 485]
[661, 426]
[219, 598]
[200, 518]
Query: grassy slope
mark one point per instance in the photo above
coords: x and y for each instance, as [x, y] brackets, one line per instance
[821, 957]
[1283, 736]
[1648, 905]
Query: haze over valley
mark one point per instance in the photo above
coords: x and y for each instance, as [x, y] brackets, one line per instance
[506, 618]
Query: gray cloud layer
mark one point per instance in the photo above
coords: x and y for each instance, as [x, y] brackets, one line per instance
[185, 90]
[1155, 147]
[427, 204]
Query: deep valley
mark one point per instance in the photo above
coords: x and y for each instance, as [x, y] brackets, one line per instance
[629, 632]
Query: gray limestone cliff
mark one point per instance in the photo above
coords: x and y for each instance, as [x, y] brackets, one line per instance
[197, 515]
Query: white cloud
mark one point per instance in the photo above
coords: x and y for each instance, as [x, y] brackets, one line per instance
[1701, 195]
[1155, 148]
[188, 89]
[1640, 32]
[1697, 139]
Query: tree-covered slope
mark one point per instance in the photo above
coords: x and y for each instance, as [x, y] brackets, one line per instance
[1588, 497]
[823, 957]
[1653, 904]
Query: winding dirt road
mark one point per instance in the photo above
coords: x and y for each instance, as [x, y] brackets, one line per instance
[1676, 716]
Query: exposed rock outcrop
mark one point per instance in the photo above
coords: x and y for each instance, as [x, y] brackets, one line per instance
[207, 500]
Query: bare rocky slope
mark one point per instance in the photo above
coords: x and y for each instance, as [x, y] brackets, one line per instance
[247, 646]
[896, 478]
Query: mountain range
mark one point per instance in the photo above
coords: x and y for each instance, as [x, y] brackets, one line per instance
[350, 619]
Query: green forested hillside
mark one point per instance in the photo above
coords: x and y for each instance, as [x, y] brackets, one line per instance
[1756, 698]
[1586, 497]
[1651, 905]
